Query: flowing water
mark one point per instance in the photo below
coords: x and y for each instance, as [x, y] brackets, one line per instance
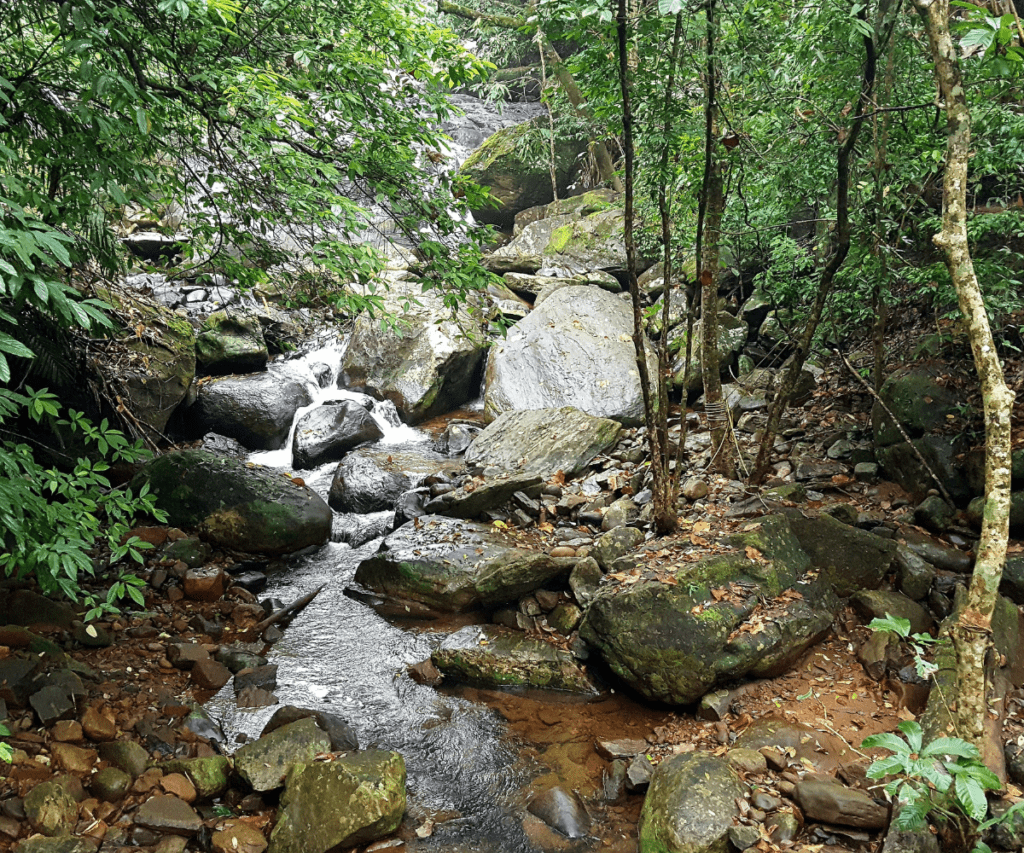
[464, 773]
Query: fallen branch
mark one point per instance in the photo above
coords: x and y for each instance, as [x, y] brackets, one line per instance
[289, 611]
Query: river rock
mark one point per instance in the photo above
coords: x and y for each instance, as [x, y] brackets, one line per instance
[365, 483]
[257, 410]
[209, 776]
[327, 433]
[236, 505]
[833, 802]
[126, 755]
[342, 735]
[542, 441]
[562, 810]
[673, 643]
[50, 809]
[493, 656]
[231, 342]
[732, 336]
[914, 574]
[264, 763]
[167, 813]
[851, 559]
[238, 837]
[938, 553]
[574, 350]
[457, 438]
[690, 805]
[63, 844]
[429, 365]
[456, 565]
[110, 784]
[614, 544]
[506, 165]
[479, 496]
[351, 800]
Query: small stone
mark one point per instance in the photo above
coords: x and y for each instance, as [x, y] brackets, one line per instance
[50, 809]
[832, 802]
[168, 814]
[563, 551]
[622, 748]
[126, 755]
[179, 786]
[747, 761]
[186, 655]
[73, 758]
[92, 636]
[426, 673]
[110, 784]
[866, 472]
[264, 677]
[98, 727]
[765, 802]
[638, 774]
[210, 675]
[67, 731]
[742, 836]
[694, 489]
[206, 584]
[238, 838]
[171, 844]
[51, 704]
[255, 697]
[148, 781]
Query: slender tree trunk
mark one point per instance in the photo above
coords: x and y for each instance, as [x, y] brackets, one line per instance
[713, 205]
[839, 253]
[972, 632]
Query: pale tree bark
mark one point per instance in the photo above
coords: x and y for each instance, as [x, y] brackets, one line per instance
[605, 167]
[971, 634]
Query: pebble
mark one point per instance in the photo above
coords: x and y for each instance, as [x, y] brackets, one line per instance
[67, 731]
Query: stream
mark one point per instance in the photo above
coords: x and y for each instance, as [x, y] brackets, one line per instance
[465, 774]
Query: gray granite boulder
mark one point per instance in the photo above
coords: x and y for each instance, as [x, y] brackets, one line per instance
[330, 431]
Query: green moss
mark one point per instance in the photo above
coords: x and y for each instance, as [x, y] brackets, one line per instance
[501, 144]
[560, 238]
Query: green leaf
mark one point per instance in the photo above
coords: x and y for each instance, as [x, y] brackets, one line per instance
[950, 746]
[886, 740]
[913, 732]
[142, 120]
[971, 797]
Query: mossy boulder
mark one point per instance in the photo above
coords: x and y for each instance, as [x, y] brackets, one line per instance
[515, 165]
[492, 656]
[918, 402]
[263, 764]
[690, 805]
[231, 342]
[428, 365]
[350, 801]
[672, 642]
[732, 336]
[942, 453]
[209, 776]
[454, 565]
[851, 559]
[236, 505]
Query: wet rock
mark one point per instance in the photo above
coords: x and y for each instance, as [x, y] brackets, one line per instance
[876, 603]
[263, 677]
[210, 675]
[574, 350]
[239, 837]
[914, 574]
[264, 763]
[359, 798]
[542, 441]
[110, 784]
[364, 483]
[256, 409]
[833, 802]
[191, 551]
[622, 748]
[939, 554]
[426, 673]
[65, 844]
[236, 659]
[690, 804]
[674, 643]
[428, 367]
[126, 755]
[201, 723]
[851, 559]
[209, 776]
[613, 780]
[329, 432]
[493, 656]
[205, 584]
[614, 544]
[562, 810]
[478, 498]
[342, 735]
[50, 809]
[638, 774]
[455, 565]
[457, 438]
[166, 813]
[231, 343]
[234, 505]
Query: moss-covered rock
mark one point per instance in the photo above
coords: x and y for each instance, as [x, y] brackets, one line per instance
[231, 343]
[515, 165]
[209, 776]
[456, 565]
[332, 805]
[851, 559]
[492, 656]
[236, 505]
[690, 805]
[263, 764]
[732, 336]
[674, 642]
[918, 401]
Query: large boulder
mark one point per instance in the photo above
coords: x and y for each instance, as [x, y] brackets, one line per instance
[514, 165]
[752, 612]
[574, 350]
[329, 432]
[456, 565]
[569, 243]
[350, 801]
[427, 366]
[690, 805]
[231, 342]
[542, 441]
[257, 410]
[158, 375]
[850, 559]
[901, 465]
[918, 401]
[235, 505]
[263, 764]
[365, 482]
[492, 656]
[732, 336]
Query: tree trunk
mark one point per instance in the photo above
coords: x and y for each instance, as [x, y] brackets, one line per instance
[972, 632]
